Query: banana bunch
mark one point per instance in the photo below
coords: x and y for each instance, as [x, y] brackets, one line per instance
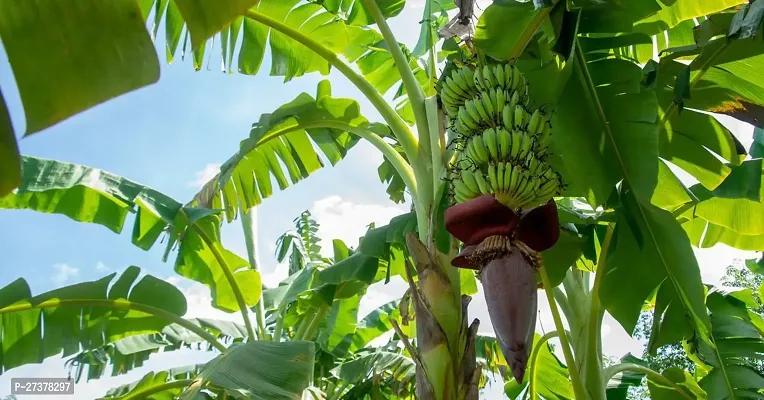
[504, 138]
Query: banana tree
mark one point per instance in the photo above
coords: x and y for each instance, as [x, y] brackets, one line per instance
[616, 106]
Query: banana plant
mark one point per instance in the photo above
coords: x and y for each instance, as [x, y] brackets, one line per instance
[615, 110]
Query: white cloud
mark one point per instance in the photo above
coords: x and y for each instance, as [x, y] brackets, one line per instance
[348, 221]
[63, 273]
[101, 267]
[203, 176]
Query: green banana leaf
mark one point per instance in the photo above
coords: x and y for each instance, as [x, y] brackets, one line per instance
[260, 370]
[10, 159]
[288, 136]
[91, 195]
[131, 352]
[730, 213]
[83, 316]
[651, 251]
[109, 53]
[161, 385]
[396, 371]
[738, 342]
[618, 386]
[620, 383]
[302, 245]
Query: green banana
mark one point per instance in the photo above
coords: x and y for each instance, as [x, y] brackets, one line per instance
[449, 92]
[466, 117]
[491, 143]
[513, 179]
[525, 192]
[535, 120]
[479, 80]
[533, 165]
[446, 98]
[506, 116]
[503, 137]
[450, 109]
[522, 180]
[488, 105]
[471, 108]
[517, 140]
[492, 177]
[461, 127]
[488, 77]
[545, 136]
[468, 178]
[481, 182]
[459, 186]
[547, 188]
[520, 116]
[514, 100]
[501, 101]
[499, 187]
[477, 142]
[507, 176]
[526, 98]
[516, 78]
[473, 154]
[498, 73]
[525, 146]
[458, 79]
[469, 77]
[451, 84]
[509, 72]
[493, 97]
[481, 110]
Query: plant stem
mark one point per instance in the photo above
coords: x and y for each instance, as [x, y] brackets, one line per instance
[592, 357]
[611, 371]
[119, 304]
[530, 30]
[436, 152]
[413, 90]
[229, 277]
[575, 378]
[279, 326]
[308, 333]
[304, 323]
[595, 307]
[249, 226]
[532, 361]
[562, 301]
[145, 393]
[398, 126]
[420, 161]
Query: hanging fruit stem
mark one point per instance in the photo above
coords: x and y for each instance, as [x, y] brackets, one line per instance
[570, 361]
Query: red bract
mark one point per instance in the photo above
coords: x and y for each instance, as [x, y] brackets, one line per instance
[539, 228]
[474, 220]
[462, 260]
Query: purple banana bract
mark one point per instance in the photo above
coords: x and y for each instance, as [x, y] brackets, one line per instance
[509, 284]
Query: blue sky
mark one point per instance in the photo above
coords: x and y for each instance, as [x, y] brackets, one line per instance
[171, 135]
